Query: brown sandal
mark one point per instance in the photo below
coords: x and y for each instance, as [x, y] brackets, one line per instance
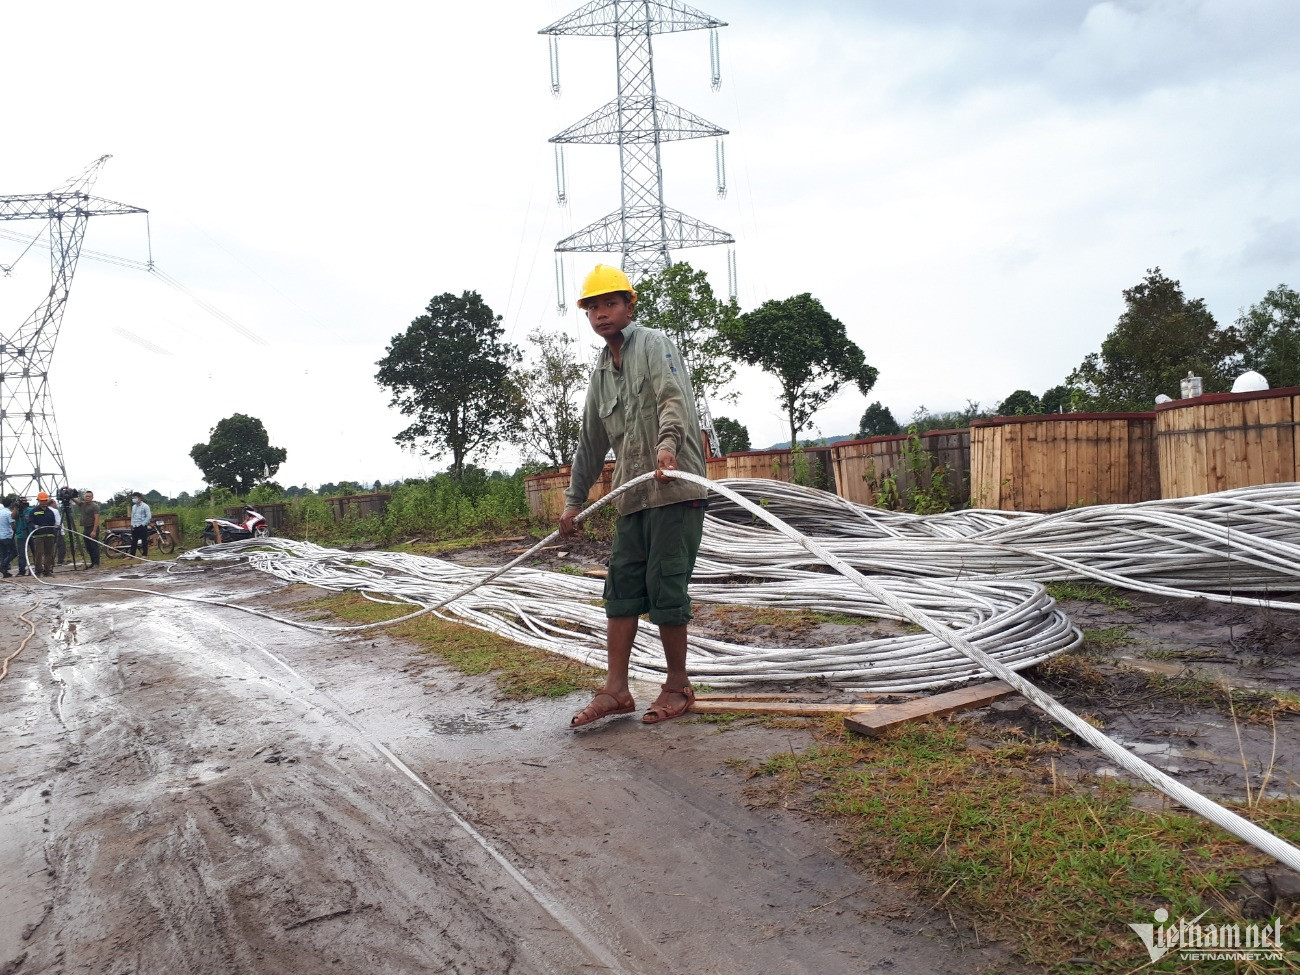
[663, 709]
[594, 711]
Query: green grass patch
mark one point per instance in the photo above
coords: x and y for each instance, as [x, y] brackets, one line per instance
[1089, 592]
[520, 672]
[1108, 639]
[1057, 869]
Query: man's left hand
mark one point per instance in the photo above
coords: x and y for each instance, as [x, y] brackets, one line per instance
[667, 461]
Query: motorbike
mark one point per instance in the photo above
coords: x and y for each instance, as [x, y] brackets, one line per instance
[117, 541]
[223, 530]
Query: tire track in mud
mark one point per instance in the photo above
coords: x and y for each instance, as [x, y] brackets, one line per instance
[243, 822]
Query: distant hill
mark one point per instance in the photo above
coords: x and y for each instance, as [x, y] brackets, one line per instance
[820, 442]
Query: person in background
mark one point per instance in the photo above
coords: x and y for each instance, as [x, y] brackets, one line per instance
[140, 518]
[7, 550]
[21, 530]
[90, 526]
[41, 517]
[60, 548]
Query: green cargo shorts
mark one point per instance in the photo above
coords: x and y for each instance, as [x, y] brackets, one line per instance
[652, 561]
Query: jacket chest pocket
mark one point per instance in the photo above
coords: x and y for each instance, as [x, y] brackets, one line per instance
[611, 417]
[614, 411]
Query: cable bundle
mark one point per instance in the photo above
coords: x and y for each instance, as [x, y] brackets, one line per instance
[1233, 546]
[1015, 622]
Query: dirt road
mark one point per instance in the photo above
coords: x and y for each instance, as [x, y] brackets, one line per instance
[192, 789]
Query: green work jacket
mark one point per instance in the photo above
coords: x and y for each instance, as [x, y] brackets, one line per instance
[635, 410]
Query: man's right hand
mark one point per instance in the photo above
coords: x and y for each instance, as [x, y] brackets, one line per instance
[567, 526]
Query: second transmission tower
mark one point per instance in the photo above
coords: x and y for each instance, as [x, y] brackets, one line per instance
[31, 458]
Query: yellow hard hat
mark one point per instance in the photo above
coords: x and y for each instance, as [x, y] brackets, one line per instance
[604, 280]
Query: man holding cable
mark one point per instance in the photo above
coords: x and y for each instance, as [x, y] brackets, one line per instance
[640, 404]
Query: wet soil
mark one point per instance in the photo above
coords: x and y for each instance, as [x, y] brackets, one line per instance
[1162, 690]
[186, 788]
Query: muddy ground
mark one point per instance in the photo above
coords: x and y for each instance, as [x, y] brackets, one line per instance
[187, 788]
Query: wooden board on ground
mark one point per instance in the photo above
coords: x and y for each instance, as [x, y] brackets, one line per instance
[785, 704]
[794, 697]
[801, 709]
[886, 716]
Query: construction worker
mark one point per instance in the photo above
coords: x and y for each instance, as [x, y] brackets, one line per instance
[43, 527]
[640, 404]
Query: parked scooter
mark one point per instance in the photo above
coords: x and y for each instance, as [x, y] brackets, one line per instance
[217, 530]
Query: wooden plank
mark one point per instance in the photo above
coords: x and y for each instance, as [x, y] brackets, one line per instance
[981, 476]
[1290, 446]
[1265, 462]
[887, 716]
[1013, 467]
[762, 696]
[795, 709]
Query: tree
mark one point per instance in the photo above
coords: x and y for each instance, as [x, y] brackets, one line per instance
[878, 421]
[550, 400]
[679, 300]
[1160, 337]
[1270, 331]
[450, 372]
[238, 454]
[807, 350]
[1020, 403]
[732, 435]
[923, 421]
[268, 492]
[1058, 399]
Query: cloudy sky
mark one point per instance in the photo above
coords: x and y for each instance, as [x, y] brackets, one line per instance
[968, 185]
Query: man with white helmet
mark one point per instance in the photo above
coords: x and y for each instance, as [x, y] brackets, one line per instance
[640, 404]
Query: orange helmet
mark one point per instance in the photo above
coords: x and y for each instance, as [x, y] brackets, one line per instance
[42, 496]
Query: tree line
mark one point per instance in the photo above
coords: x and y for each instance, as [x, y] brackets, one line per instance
[465, 390]
[1161, 336]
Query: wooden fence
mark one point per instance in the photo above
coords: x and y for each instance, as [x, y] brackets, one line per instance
[1222, 441]
[1059, 461]
[863, 466]
[1043, 463]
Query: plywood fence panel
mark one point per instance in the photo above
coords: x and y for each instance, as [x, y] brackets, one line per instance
[1050, 463]
[545, 492]
[861, 466]
[1223, 441]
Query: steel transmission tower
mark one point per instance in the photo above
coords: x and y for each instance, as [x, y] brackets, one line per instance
[643, 229]
[31, 458]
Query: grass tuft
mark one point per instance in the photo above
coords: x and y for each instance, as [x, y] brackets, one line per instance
[1089, 592]
[520, 672]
